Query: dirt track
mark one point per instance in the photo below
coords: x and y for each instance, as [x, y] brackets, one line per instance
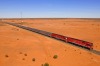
[18, 47]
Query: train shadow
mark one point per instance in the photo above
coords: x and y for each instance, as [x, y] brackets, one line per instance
[95, 52]
[81, 47]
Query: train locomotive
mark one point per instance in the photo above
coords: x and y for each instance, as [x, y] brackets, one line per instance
[74, 41]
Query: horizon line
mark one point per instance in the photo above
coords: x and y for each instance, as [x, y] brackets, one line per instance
[51, 18]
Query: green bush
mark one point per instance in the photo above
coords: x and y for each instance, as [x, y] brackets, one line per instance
[55, 56]
[46, 64]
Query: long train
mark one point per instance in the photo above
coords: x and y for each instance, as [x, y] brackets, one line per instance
[74, 41]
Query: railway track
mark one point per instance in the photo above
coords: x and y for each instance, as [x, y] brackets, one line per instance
[48, 34]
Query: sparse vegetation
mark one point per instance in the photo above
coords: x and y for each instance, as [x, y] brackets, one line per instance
[74, 50]
[55, 56]
[80, 53]
[17, 39]
[23, 59]
[25, 54]
[46, 64]
[20, 53]
[17, 29]
[64, 23]
[91, 58]
[6, 56]
[41, 64]
[33, 59]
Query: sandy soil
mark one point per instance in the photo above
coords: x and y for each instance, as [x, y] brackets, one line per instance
[19, 47]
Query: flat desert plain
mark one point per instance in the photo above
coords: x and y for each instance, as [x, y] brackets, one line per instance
[20, 47]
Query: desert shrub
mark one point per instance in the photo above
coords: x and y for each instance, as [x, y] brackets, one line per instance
[20, 53]
[6, 56]
[55, 56]
[41, 64]
[33, 59]
[25, 54]
[23, 59]
[46, 64]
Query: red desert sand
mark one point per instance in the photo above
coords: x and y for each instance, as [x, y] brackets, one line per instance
[20, 47]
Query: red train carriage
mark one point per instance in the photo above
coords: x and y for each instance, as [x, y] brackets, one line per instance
[85, 44]
[57, 36]
[89, 45]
